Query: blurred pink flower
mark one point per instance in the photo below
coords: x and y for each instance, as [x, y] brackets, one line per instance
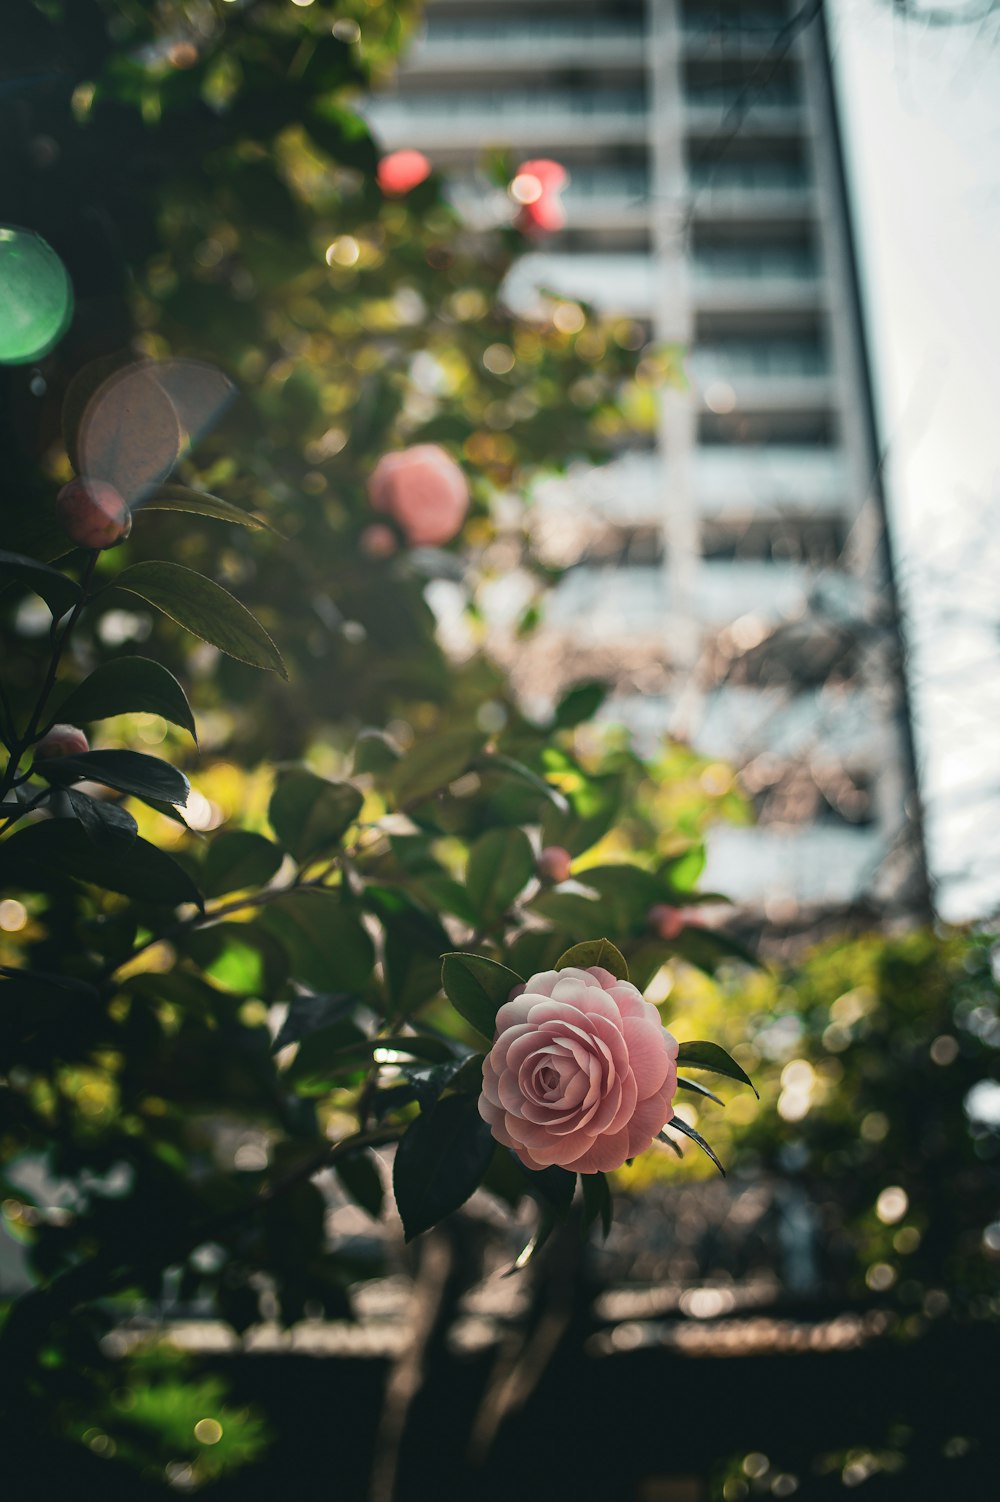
[554, 863]
[93, 514]
[582, 1072]
[62, 740]
[424, 491]
[401, 171]
[536, 186]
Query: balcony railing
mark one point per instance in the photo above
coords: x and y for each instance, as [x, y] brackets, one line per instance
[738, 359]
[509, 104]
[471, 37]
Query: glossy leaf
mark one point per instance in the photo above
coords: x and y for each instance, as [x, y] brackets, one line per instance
[580, 704]
[127, 685]
[326, 941]
[236, 860]
[205, 609]
[715, 1059]
[130, 772]
[59, 593]
[507, 766]
[597, 1201]
[199, 503]
[310, 815]
[697, 1089]
[594, 952]
[107, 825]
[501, 863]
[59, 849]
[678, 1124]
[433, 763]
[477, 988]
[440, 1161]
[362, 1181]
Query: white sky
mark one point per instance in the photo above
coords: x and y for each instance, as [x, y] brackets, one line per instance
[921, 112]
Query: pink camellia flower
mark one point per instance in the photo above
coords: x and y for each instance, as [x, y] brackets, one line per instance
[402, 171]
[582, 1072]
[423, 490]
[93, 513]
[62, 740]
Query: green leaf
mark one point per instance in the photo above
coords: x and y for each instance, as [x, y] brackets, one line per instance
[309, 814]
[495, 762]
[59, 848]
[238, 859]
[326, 941]
[683, 872]
[198, 503]
[130, 772]
[530, 1250]
[414, 944]
[127, 685]
[501, 863]
[107, 825]
[477, 988]
[440, 1161]
[627, 893]
[594, 952]
[715, 1059]
[553, 1187]
[580, 704]
[361, 1181]
[205, 609]
[697, 1089]
[59, 593]
[309, 1011]
[680, 1125]
[569, 910]
[707, 948]
[432, 764]
[596, 1201]
[374, 752]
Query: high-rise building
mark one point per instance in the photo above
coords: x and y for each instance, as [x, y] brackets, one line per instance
[733, 565]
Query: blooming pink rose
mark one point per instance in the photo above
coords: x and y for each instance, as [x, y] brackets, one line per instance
[62, 740]
[423, 490]
[582, 1072]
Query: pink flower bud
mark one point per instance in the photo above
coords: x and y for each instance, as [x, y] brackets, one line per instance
[536, 188]
[402, 171]
[378, 541]
[93, 514]
[666, 922]
[61, 740]
[554, 863]
[423, 490]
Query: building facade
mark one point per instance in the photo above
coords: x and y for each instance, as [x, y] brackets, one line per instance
[734, 550]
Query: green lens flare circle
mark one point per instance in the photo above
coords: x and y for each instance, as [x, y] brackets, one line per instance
[36, 296]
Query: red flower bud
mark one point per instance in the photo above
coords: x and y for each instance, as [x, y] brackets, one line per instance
[666, 922]
[554, 863]
[93, 514]
[61, 740]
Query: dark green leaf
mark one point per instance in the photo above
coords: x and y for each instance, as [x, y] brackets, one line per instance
[59, 593]
[326, 941]
[554, 1187]
[697, 1089]
[710, 1056]
[238, 859]
[530, 1250]
[127, 685]
[432, 764]
[374, 752]
[126, 771]
[59, 849]
[205, 609]
[362, 1181]
[198, 503]
[309, 815]
[440, 1161]
[109, 826]
[580, 704]
[501, 863]
[596, 1201]
[594, 952]
[707, 948]
[477, 988]
[569, 910]
[309, 1011]
[678, 1124]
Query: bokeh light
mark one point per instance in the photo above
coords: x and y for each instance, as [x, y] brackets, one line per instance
[36, 297]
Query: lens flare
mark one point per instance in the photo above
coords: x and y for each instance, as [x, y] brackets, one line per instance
[36, 297]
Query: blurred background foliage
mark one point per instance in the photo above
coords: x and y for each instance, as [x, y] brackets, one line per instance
[201, 168]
